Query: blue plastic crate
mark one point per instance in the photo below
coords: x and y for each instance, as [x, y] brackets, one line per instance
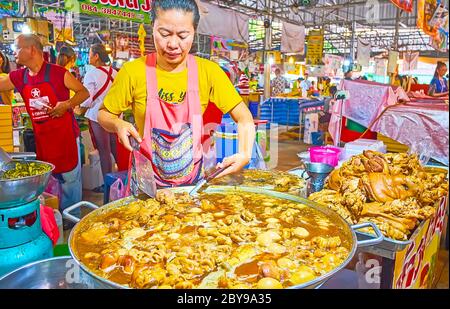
[226, 142]
[253, 107]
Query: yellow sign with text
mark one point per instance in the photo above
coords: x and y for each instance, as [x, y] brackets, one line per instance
[294, 69]
[275, 56]
[314, 50]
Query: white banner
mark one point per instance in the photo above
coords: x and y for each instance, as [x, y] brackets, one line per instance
[62, 25]
[410, 60]
[392, 62]
[380, 68]
[223, 23]
[363, 52]
[292, 39]
[333, 64]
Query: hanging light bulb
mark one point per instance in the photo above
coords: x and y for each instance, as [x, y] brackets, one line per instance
[291, 60]
[271, 60]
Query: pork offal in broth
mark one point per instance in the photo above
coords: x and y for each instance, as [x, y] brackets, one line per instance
[220, 240]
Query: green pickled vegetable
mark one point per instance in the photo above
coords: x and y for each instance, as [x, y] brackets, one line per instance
[22, 170]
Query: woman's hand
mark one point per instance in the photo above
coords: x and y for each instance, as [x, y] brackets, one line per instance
[124, 130]
[234, 164]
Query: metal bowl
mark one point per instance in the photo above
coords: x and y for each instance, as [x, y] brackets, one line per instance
[54, 273]
[347, 230]
[14, 192]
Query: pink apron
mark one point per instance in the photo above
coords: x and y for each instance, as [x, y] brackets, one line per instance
[173, 132]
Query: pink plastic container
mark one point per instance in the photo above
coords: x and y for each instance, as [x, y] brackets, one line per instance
[325, 154]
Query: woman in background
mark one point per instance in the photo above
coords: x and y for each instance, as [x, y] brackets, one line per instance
[6, 97]
[66, 57]
[326, 87]
[98, 80]
[439, 84]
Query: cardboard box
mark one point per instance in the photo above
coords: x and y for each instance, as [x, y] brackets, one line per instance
[6, 122]
[4, 115]
[392, 145]
[5, 135]
[6, 129]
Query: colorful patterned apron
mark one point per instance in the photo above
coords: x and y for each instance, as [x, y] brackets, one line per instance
[173, 132]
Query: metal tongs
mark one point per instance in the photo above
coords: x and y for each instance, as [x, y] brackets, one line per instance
[205, 180]
[142, 176]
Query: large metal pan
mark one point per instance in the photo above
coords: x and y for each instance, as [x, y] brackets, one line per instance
[54, 273]
[348, 230]
[23, 190]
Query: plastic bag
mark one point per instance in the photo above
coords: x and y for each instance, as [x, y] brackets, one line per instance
[48, 223]
[54, 188]
[423, 150]
[257, 160]
[117, 190]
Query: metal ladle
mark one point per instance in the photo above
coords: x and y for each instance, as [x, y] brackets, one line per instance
[207, 179]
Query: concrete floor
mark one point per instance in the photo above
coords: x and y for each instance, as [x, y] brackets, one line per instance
[287, 159]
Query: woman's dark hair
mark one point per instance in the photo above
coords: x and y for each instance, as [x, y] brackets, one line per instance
[65, 55]
[5, 68]
[333, 90]
[100, 50]
[188, 6]
[439, 65]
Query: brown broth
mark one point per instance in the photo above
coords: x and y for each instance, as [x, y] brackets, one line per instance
[305, 217]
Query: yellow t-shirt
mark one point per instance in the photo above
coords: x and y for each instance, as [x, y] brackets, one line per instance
[6, 97]
[130, 90]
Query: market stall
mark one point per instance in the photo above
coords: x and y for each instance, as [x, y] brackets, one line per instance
[408, 203]
[389, 111]
[128, 195]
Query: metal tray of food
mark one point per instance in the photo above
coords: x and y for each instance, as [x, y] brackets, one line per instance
[271, 180]
[341, 225]
[389, 247]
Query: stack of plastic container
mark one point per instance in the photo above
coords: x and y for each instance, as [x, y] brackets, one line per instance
[358, 146]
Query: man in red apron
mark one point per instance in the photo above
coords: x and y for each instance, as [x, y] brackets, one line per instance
[177, 101]
[45, 90]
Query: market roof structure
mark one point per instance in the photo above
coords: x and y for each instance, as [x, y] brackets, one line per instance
[377, 21]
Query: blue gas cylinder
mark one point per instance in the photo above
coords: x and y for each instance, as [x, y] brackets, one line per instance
[22, 240]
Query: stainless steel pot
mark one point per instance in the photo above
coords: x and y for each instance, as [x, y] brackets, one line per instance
[334, 217]
[54, 273]
[23, 190]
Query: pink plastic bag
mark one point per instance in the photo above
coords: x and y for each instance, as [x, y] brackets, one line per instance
[54, 188]
[117, 190]
[48, 223]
